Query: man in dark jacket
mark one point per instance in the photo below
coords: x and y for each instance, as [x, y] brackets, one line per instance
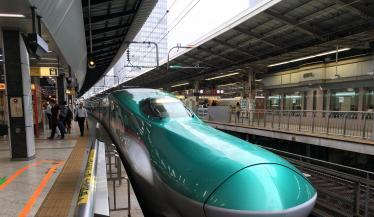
[56, 121]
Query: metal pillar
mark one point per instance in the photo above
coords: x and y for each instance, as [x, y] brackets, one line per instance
[250, 95]
[61, 88]
[18, 88]
[196, 90]
[250, 91]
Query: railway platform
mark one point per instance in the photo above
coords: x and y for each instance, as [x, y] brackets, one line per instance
[49, 184]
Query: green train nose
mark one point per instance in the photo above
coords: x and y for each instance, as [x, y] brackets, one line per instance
[263, 190]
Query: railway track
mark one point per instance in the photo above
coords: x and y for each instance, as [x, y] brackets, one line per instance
[342, 191]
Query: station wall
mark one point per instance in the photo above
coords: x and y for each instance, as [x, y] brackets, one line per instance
[316, 87]
[322, 73]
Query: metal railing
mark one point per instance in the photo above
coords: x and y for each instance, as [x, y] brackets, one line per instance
[103, 166]
[342, 190]
[202, 112]
[92, 188]
[115, 174]
[338, 123]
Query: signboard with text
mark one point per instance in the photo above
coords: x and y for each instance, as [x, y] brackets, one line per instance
[16, 110]
[43, 71]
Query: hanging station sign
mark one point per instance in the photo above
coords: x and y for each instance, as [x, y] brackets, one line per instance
[43, 71]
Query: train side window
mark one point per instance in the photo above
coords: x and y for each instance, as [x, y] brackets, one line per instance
[164, 108]
[145, 107]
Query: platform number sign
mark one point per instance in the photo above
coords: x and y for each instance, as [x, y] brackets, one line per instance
[52, 71]
[16, 107]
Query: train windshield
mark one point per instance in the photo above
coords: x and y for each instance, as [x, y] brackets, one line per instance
[164, 108]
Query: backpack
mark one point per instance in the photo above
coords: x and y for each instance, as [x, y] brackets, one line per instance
[63, 112]
[69, 114]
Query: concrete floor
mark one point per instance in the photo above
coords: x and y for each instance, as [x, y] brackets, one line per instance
[15, 196]
[17, 193]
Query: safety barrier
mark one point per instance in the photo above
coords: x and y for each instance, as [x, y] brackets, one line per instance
[114, 166]
[339, 123]
[93, 194]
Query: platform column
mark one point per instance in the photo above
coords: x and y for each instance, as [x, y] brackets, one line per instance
[196, 86]
[60, 88]
[251, 95]
[361, 95]
[18, 88]
[251, 91]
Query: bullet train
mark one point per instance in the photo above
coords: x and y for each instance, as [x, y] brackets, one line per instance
[181, 167]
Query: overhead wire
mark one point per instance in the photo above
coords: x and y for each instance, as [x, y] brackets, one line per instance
[149, 34]
[168, 31]
[285, 28]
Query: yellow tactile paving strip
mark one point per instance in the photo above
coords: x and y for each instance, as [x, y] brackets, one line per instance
[59, 198]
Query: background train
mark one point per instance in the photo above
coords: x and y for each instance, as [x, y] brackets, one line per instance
[180, 166]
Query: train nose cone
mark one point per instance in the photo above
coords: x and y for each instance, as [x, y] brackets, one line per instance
[270, 190]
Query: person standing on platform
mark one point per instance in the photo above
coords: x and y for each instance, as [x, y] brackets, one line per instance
[69, 117]
[56, 120]
[48, 112]
[237, 108]
[80, 116]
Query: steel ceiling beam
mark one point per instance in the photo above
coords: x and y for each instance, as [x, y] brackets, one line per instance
[94, 2]
[356, 8]
[102, 59]
[199, 60]
[107, 50]
[105, 17]
[215, 54]
[259, 37]
[185, 63]
[108, 29]
[109, 38]
[307, 29]
[105, 54]
[99, 47]
[234, 47]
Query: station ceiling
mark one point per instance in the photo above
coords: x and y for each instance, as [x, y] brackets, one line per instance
[285, 31]
[113, 22]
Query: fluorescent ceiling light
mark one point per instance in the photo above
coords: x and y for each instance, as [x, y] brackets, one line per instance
[309, 57]
[222, 76]
[345, 94]
[293, 97]
[177, 85]
[223, 85]
[12, 15]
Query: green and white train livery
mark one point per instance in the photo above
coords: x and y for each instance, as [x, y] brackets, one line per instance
[180, 166]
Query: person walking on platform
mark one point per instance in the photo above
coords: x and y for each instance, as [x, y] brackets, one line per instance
[48, 112]
[56, 121]
[80, 116]
[69, 117]
[237, 109]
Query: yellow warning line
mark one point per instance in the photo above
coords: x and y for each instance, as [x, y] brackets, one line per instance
[59, 198]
